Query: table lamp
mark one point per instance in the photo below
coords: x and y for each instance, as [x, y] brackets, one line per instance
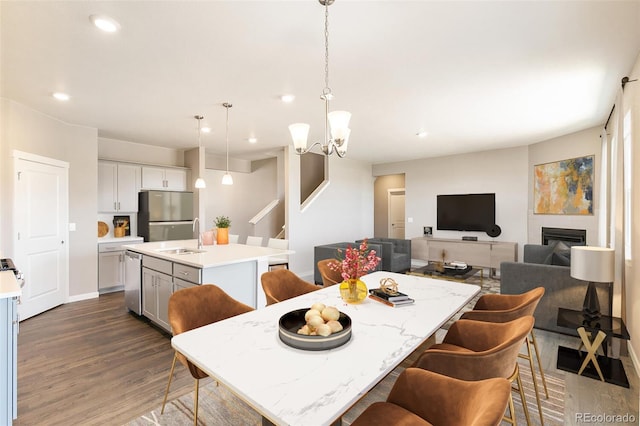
[595, 265]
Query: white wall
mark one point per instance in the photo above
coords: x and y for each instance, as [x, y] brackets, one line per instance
[342, 212]
[249, 194]
[30, 131]
[579, 144]
[503, 172]
[119, 150]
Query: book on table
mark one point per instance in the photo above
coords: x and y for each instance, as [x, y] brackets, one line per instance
[394, 297]
[394, 304]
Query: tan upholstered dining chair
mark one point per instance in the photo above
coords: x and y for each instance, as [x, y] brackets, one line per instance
[329, 276]
[477, 350]
[507, 307]
[282, 284]
[195, 307]
[421, 397]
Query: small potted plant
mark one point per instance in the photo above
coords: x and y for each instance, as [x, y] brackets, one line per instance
[222, 223]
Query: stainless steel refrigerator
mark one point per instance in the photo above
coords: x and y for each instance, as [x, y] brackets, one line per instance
[165, 215]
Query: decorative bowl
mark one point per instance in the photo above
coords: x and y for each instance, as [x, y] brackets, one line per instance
[291, 322]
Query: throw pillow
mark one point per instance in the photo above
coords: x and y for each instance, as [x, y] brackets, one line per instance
[561, 258]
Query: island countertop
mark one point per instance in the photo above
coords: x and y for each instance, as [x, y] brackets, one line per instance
[211, 256]
[9, 286]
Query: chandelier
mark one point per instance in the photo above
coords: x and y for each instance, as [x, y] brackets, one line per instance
[336, 121]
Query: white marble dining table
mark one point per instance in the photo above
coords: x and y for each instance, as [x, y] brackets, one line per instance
[289, 386]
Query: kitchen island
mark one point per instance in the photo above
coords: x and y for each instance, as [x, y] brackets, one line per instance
[168, 266]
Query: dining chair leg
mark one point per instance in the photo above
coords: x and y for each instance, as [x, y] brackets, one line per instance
[544, 381]
[512, 412]
[522, 397]
[166, 392]
[195, 403]
[535, 381]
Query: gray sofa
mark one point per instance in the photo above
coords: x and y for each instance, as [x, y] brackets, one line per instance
[395, 254]
[330, 251]
[561, 290]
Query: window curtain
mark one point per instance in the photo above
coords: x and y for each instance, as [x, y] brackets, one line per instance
[613, 209]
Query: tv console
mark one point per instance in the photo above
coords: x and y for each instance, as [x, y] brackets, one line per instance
[480, 254]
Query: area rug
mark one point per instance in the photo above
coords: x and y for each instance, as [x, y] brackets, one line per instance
[219, 407]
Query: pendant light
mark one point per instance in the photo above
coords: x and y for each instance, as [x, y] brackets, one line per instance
[336, 123]
[227, 179]
[200, 183]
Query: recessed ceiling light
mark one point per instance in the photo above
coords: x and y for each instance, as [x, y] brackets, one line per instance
[422, 134]
[253, 140]
[61, 96]
[105, 23]
[287, 98]
[205, 129]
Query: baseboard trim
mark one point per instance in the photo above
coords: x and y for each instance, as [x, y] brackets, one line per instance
[634, 358]
[79, 297]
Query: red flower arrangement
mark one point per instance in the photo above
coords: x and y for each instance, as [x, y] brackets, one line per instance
[356, 262]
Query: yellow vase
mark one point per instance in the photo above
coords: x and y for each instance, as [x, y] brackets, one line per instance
[353, 291]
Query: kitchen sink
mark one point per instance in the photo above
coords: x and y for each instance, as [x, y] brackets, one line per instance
[180, 250]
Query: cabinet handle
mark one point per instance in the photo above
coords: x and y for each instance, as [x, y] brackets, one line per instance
[118, 205]
[114, 206]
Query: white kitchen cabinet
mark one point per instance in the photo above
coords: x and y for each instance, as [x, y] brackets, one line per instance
[157, 287]
[156, 290]
[168, 179]
[118, 187]
[110, 271]
[111, 263]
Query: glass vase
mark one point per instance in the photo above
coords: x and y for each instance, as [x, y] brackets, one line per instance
[353, 291]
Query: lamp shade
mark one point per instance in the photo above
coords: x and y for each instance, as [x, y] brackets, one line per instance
[339, 122]
[299, 134]
[594, 264]
[227, 179]
[200, 183]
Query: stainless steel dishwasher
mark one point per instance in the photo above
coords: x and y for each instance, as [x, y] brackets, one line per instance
[132, 286]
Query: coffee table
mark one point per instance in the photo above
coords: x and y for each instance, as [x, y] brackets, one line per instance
[290, 386]
[432, 270]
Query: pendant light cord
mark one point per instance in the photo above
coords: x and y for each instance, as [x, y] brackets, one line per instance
[227, 105]
[227, 133]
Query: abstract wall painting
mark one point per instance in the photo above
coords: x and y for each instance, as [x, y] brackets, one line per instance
[564, 187]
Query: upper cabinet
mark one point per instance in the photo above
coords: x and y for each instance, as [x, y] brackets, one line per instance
[118, 187]
[168, 179]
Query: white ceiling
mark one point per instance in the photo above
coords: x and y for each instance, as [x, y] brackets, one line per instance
[475, 75]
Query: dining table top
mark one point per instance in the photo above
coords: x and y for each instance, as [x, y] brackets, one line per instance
[289, 386]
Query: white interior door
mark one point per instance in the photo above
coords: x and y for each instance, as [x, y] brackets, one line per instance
[41, 216]
[396, 213]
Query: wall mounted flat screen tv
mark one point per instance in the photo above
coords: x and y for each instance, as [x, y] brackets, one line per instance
[466, 212]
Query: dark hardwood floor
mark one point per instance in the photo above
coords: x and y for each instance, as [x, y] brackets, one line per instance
[93, 363]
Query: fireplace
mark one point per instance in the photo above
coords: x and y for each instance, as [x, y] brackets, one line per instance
[564, 237]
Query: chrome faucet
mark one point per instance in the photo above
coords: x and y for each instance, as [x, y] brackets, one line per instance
[197, 220]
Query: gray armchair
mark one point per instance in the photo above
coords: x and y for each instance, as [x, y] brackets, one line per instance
[330, 251]
[395, 254]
